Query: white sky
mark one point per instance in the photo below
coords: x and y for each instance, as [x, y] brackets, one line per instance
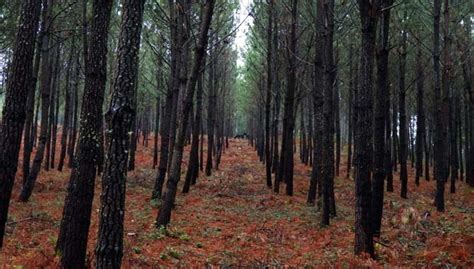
[241, 36]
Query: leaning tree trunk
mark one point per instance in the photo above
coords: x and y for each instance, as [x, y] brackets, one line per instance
[109, 248]
[13, 117]
[171, 94]
[46, 89]
[193, 166]
[30, 107]
[164, 214]
[74, 229]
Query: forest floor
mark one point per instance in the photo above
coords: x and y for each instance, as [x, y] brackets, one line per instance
[232, 219]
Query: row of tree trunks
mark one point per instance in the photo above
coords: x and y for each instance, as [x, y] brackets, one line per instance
[164, 214]
[285, 168]
[268, 157]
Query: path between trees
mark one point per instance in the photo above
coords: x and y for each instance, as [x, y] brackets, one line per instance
[231, 218]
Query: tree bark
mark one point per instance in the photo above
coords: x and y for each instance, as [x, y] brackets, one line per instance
[288, 120]
[440, 162]
[74, 229]
[109, 248]
[47, 65]
[30, 107]
[381, 91]
[13, 117]
[363, 233]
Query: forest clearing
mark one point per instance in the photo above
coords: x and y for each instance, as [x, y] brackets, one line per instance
[236, 134]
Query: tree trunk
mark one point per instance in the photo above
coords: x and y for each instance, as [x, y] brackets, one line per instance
[337, 117]
[211, 104]
[469, 108]
[420, 121]
[326, 11]
[440, 162]
[403, 148]
[350, 104]
[74, 229]
[318, 101]
[288, 120]
[193, 164]
[171, 94]
[67, 105]
[30, 107]
[134, 134]
[157, 127]
[47, 65]
[13, 117]
[268, 101]
[389, 141]
[381, 91]
[75, 97]
[109, 248]
[53, 115]
[363, 232]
